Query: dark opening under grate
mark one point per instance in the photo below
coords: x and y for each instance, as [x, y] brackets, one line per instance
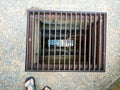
[65, 41]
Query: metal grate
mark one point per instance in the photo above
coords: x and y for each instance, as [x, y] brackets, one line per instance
[65, 41]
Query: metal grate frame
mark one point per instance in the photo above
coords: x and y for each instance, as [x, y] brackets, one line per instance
[66, 41]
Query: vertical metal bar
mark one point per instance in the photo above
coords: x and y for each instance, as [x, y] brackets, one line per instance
[60, 40]
[27, 41]
[80, 40]
[43, 39]
[100, 42]
[95, 43]
[40, 44]
[90, 41]
[30, 42]
[38, 39]
[102, 33]
[70, 39]
[32, 61]
[104, 53]
[65, 41]
[49, 39]
[75, 41]
[55, 40]
[85, 33]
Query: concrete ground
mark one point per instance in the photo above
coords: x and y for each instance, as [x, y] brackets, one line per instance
[13, 22]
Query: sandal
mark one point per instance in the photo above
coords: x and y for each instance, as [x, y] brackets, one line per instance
[30, 84]
[47, 88]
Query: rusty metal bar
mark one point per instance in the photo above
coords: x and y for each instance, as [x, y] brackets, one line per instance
[43, 40]
[27, 41]
[49, 40]
[55, 40]
[102, 33]
[70, 39]
[30, 42]
[75, 41]
[60, 40]
[65, 41]
[85, 33]
[100, 42]
[38, 39]
[32, 61]
[95, 42]
[90, 19]
[40, 50]
[104, 45]
[80, 40]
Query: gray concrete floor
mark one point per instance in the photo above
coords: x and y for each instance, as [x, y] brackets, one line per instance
[13, 21]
